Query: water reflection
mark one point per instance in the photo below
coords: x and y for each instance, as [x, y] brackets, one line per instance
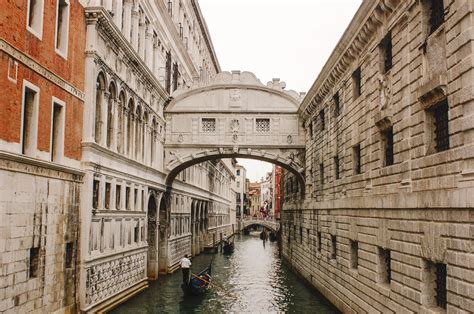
[253, 279]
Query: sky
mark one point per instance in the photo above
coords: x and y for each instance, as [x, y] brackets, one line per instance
[286, 39]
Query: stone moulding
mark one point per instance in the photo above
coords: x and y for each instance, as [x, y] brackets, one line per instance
[41, 70]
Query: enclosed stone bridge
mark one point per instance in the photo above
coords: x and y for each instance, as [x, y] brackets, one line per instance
[232, 116]
[271, 224]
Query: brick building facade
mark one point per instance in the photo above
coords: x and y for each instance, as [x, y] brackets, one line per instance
[386, 224]
[41, 109]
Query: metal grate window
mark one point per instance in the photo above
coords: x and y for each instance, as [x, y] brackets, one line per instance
[320, 245]
[336, 167]
[357, 83]
[385, 265]
[263, 125]
[386, 49]
[441, 126]
[321, 173]
[441, 295]
[337, 104]
[388, 139]
[333, 247]
[436, 14]
[357, 159]
[208, 125]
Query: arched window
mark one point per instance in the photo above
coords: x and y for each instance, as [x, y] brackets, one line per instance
[131, 109]
[138, 129]
[120, 122]
[99, 100]
[110, 114]
[153, 139]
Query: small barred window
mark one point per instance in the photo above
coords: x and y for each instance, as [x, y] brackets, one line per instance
[263, 125]
[208, 125]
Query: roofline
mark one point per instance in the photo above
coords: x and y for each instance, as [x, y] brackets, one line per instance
[206, 34]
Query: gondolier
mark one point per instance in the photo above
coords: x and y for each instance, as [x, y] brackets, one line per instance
[185, 264]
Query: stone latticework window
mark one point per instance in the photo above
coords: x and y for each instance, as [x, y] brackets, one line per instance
[263, 125]
[209, 125]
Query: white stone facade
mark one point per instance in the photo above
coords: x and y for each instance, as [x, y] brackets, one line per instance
[386, 224]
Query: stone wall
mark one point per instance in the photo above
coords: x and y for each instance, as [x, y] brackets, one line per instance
[387, 192]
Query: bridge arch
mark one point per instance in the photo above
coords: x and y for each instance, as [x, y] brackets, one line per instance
[234, 116]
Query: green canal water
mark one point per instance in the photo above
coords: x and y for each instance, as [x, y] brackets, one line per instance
[251, 280]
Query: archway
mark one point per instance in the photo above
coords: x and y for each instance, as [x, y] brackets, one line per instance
[163, 226]
[152, 261]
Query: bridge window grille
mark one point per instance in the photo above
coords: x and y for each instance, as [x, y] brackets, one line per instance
[435, 284]
[320, 244]
[385, 267]
[386, 52]
[441, 129]
[333, 247]
[262, 125]
[354, 254]
[208, 125]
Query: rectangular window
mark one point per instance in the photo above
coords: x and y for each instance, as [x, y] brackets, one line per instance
[320, 244]
[34, 260]
[62, 27]
[356, 159]
[135, 198]
[208, 125]
[301, 234]
[135, 232]
[385, 266]
[34, 19]
[441, 129]
[118, 196]
[29, 118]
[127, 197]
[354, 254]
[436, 14]
[95, 194]
[238, 184]
[262, 125]
[168, 72]
[388, 146]
[57, 130]
[337, 104]
[321, 119]
[336, 168]
[435, 275]
[310, 125]
[238, 172]
[321, 173]
[385, 47]
[176, 76]
[333, 247]
[108, 188]
[170, 8]
[69, 255]
[357, 83]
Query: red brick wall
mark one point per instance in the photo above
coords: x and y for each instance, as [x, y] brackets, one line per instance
[13, 30]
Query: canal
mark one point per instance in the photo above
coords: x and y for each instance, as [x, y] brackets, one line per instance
[252, 279]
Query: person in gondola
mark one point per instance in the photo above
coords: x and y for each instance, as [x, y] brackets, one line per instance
[225, 239]
[185, 265]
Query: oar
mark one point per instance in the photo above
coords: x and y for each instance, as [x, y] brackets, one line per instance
[213, 284]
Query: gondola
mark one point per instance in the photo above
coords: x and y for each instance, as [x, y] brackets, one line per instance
[228, 248]
[199, 284]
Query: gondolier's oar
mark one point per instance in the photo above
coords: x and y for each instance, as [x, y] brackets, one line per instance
[213, 284]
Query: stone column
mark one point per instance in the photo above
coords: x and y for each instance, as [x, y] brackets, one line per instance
[132, 135]
[115, 130]
[149, 48]
[104, 117]
[125, 131]
[142, 39]
[135, 29]
[127, 19]
[118, 13]
[90, 78]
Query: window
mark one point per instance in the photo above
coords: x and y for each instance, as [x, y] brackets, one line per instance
[321, 119]
[208, 125]
[336, 168]
[62, 27]
[34, 259]
[385, 267]
[310, 125]
[321, 173]
[238, 172]
[436, 14]
[301, 234]
[387, 142]
[356, 159]
[262, 125]
[34, 20]
[354, 254]
[333, 247]
[57, 130]
[356, 83]
[168, 72]
[434, 285]
[385, 48]
[337, 104]
[135, 232]
[118, 196]
[108, 188]
[95, 194]
[29, 118]
[238, 184]
[441, 129]
[176, 76]
[135, 198]
[69, 255]
[127, 197]
[320, 244]
[170, 8]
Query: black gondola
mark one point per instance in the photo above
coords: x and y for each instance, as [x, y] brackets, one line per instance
[228, 248]
[199, 284]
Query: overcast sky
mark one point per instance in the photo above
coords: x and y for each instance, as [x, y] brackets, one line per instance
[286, 39]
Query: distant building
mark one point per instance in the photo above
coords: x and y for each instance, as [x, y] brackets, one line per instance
[240, 182]
[254, 198]
[266, 187]
[278, 191]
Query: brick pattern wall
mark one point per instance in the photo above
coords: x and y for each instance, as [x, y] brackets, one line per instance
[421, 207]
